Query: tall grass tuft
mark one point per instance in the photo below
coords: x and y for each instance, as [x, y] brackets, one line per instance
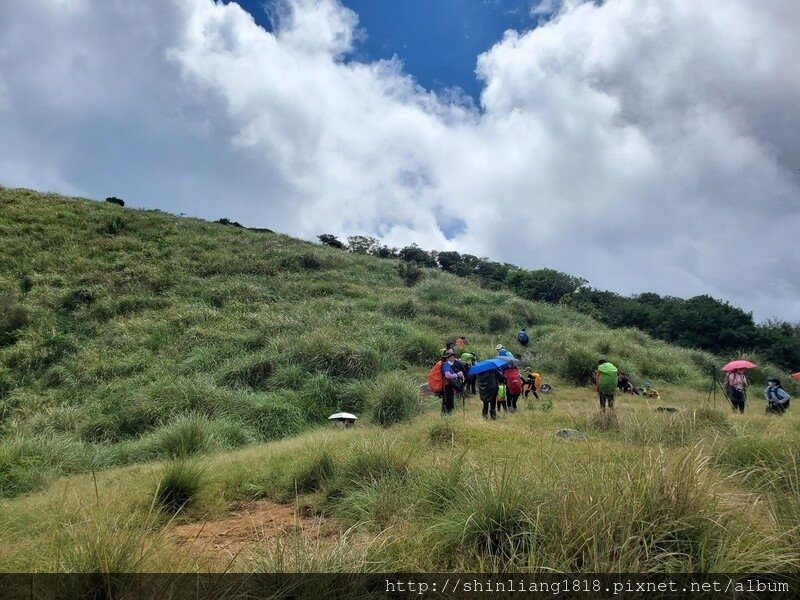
[179, 484]
[394, 399]
[578, 366]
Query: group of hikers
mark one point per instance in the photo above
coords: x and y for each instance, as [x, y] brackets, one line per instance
[736, 390]
[499, 388]
[607, 379]
[501, 385]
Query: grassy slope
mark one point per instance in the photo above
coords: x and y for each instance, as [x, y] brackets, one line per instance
[135, 336]
[701, 490]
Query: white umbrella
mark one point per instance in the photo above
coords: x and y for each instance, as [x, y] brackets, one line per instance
[342, 417]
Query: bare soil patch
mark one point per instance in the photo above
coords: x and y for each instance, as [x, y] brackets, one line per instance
[247, 526]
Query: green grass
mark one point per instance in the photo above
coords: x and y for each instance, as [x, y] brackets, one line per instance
[132, 337]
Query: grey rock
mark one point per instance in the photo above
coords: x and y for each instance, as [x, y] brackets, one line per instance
[570, 434]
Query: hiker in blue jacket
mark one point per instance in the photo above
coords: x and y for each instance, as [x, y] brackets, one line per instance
[776, 397]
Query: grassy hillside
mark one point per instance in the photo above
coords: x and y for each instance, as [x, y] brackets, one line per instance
[128, 336]
[133, 342]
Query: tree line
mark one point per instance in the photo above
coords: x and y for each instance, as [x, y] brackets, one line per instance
[700, 322]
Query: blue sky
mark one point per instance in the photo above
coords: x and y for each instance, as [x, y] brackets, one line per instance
[437, 40]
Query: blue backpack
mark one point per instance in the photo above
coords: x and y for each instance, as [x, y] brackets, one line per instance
[522, 337]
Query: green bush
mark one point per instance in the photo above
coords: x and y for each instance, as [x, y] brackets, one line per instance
[394, 399]
[186, 436]
[410, 273]
[578, 366]
[179, 484]
[115, 225]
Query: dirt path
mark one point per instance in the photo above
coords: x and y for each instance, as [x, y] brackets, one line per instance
[247, 526]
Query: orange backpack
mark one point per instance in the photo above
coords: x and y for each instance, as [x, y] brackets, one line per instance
[436, 378]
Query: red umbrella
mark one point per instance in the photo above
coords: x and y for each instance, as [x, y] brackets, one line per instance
[796, 375]
[738, 364]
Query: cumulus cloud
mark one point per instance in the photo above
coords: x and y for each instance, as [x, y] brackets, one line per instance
[642, 144]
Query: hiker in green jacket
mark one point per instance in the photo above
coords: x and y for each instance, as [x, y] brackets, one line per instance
[468, 359]
[605, 382]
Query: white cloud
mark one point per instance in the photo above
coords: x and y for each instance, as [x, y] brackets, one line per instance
[642, 144]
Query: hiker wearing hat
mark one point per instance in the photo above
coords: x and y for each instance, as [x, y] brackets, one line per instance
[501, 351]
[453, 381]
[776, 397]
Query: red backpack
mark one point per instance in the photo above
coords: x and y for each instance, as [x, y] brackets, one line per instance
[513, 381]
[436, 378]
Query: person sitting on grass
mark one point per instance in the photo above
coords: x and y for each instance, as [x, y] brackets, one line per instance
[776, 397]
[650, 392]
[624, 383]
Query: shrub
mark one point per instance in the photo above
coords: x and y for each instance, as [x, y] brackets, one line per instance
[578, 366]
[498, 322]
[416, 348]
[115, 225]
[394, 399]
[410, 273]
[115, 200]
[186, 436]
[303, 262]
[179, 485]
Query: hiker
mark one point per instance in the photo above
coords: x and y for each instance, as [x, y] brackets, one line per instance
[468, 359]
[650, 392]
[453, 381]
[522, 337]
[501, 351]
[776, 397]
[502, 395]
[736, 388]
[534, 381]
[449, 344]
[624, 384]
[514, 385]
[461, 342]
[605, 382]
[488, 382]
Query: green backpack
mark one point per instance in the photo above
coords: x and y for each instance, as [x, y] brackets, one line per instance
[608, 378]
